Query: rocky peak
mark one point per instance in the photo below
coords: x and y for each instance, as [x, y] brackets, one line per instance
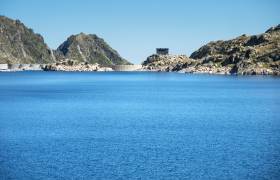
[89, 48]
[19, 44]
[273, 29]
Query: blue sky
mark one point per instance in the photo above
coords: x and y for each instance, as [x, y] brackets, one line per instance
[136, 28]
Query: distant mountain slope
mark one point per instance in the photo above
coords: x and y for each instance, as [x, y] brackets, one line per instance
[89, 48]
[19, 44]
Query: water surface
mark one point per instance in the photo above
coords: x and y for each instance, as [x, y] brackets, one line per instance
[56, 125]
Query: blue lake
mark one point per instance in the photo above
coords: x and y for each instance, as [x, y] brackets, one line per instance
[113, 125]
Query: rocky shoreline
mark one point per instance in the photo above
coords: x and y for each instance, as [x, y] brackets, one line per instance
[188, 70]
[183, 64]
[53, 67]
[21, 67]
[77, 67]
[23, 50]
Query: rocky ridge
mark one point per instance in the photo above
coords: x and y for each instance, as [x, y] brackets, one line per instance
[89, 48]
[20, 46]
[246, 55]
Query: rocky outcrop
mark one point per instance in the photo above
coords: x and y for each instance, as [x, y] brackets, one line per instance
[89, 48]
[20, 45]
[157, 62]
[247, 55]
[258, 54]
[181, 63]
[70, 65]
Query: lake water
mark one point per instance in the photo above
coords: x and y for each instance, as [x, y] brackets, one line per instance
[138, 125]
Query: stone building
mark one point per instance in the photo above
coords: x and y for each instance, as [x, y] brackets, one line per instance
[3, 66]
[162, 51]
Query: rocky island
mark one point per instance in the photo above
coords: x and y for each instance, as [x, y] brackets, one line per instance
[22, 49]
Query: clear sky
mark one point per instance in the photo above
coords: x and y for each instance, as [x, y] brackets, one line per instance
[136, 28]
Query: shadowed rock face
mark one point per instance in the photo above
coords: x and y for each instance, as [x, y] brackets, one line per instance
[20, 45]
[89, 48]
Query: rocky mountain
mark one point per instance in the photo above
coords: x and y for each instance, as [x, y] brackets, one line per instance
[258, 54]
[245, 54]
[19, 44]
[89, 48]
